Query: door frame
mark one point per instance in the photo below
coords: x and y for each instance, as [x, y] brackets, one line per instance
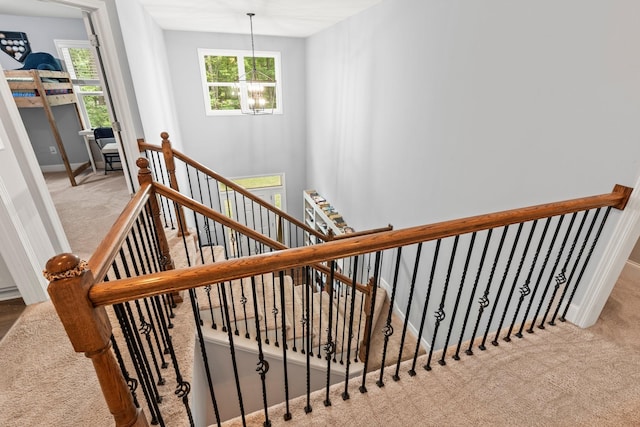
[97, 21]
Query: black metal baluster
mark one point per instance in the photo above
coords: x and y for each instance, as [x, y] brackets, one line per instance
[293, 308]
[540, 274]
[215, 229]
[345, 394]
[416, 265]
[264, 307]
[262, 365]
[551, 275]
[132, 383]
[233, 308]
[320, 296]
[372, 309]
[459, 294]
[565, 266]
[586, 260]
[456, 356]
[525, 289]
[232, 350]
[203, 353]
[362, 300]
[182, 387]
[499, 293]
[561, 278]
[425, 306]
[336, 296]
[515, 282]
[440, 314]
[287, 415]
[484, 300]
[275, 311]
[145, 327]
[311, 289]
[147, 386]
[164, 214]
[387, 330]
[225, 327]
[243, 301]
[309, 322]
[330, 346]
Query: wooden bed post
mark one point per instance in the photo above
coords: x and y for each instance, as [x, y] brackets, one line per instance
[167, 151]
[89, 331]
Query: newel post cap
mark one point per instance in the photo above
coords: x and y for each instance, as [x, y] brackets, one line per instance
[63, 266]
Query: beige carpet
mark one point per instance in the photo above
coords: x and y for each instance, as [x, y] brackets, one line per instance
[563, 376]
[87, 210]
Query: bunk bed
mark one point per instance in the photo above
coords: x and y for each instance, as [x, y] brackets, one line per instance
[46, 89]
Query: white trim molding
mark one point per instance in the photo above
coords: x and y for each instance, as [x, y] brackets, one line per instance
[624, 237]
[20, 256]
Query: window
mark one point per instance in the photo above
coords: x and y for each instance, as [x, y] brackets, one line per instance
[224, 92]
[81, 65]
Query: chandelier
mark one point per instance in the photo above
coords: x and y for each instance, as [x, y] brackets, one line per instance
[260, 88]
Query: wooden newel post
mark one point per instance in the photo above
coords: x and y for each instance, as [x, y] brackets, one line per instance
[89, 331]
[167, 152]
[144, 177]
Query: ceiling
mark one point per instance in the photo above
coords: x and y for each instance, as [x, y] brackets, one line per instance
[291, 18]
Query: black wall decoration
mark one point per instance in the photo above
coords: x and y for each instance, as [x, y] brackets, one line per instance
[15, 44]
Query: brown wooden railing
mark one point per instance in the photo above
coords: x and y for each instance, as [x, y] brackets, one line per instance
[80, 297]
[169, 156]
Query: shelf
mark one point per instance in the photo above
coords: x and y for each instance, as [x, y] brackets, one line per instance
[321, 215]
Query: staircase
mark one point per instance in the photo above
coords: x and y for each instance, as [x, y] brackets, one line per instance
[463, 286]
[256, 303]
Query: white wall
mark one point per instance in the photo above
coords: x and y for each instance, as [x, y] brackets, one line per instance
[41, 32]
[28, 222]
[242, 145]
[421, 111]
[147, 58]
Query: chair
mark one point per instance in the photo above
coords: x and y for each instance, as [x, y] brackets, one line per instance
[108, 147]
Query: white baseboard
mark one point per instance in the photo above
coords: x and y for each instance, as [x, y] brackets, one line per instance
[58, 168]
[9, 293]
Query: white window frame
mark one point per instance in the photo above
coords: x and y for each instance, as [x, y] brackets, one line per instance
[241, 54]
[77, 83]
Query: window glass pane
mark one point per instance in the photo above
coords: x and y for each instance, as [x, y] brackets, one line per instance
[224, 98]
[221, 68]
[89, 88]
[266, 68]
[83, 63]
[96, 110]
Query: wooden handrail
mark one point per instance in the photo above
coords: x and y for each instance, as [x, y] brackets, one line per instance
[181, 279]
[100, 261]
[363, 232]
[195, 206]
[235, 187]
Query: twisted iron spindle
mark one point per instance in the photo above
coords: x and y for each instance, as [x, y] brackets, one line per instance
[412, 286]
[456, 356]
[484, 300]
[388, 329]
[525, 290]
[499, 293]
[372, 308]
[345, 394]
[558, 279]
[586, 261]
